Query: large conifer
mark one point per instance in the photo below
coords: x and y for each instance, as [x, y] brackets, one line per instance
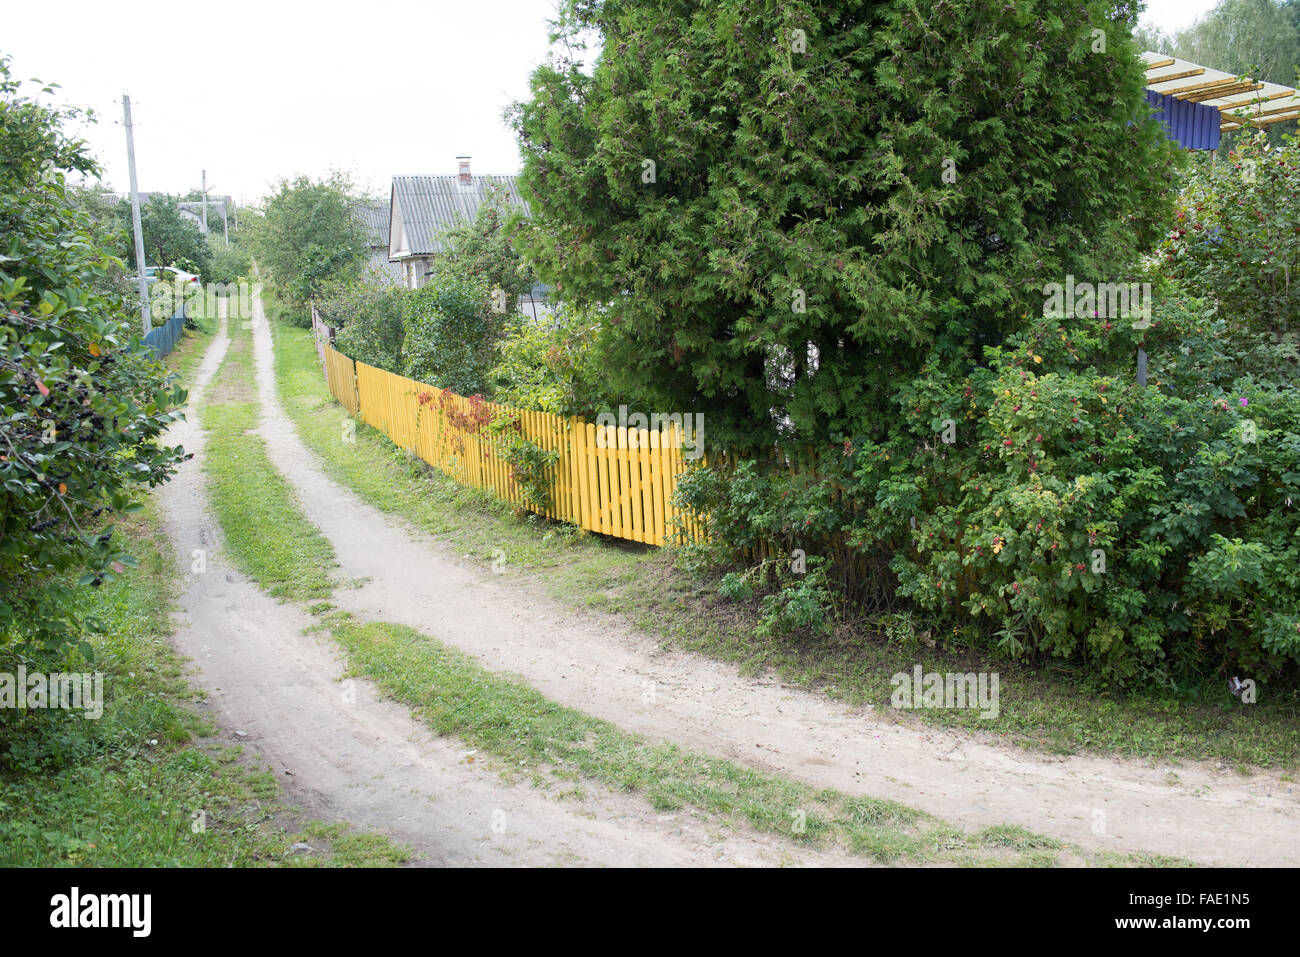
[909, 173]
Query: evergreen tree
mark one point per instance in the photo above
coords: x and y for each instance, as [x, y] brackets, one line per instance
[789, 205]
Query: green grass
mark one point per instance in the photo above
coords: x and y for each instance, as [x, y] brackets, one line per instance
[1048, 709]
[340, 848]
[137, 787]
[265, 533]
[188, 352]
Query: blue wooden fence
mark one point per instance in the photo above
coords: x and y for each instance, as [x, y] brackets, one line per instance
[162, 339]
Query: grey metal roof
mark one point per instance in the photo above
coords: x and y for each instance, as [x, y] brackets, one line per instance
[374, 218]
[427, 205]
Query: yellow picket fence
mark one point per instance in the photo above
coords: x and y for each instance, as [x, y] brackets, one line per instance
[340, 373]
[615, 481]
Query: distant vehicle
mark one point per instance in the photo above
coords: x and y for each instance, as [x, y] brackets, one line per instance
[173, 274]
[180, 274]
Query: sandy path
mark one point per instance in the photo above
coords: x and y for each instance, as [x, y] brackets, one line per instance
[605, 668]
[357, 757]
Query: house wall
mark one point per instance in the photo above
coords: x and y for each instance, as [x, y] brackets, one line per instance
[378, 263]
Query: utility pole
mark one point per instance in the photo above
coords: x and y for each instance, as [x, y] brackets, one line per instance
[135, 219]
[205, 202]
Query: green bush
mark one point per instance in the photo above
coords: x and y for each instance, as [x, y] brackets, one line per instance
[1152, 534]
[1236, 233]
[736, 586]
[368, 315]
[530, 464]
[804, 606]
[451, 333]
[82, 402]
[551, 364]
[227, 264]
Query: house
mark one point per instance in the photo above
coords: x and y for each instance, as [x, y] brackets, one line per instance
[373, 217]
[422, 207]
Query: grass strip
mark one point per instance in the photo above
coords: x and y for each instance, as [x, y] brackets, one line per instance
[265, 532]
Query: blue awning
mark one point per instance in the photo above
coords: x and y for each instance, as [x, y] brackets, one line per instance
[1195, 126]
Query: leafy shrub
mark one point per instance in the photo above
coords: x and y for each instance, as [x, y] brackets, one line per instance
[82, 403]
[759, 515]
[482, 249]
[368, 315]
[551, 364]
[227, 264]
[805, 605]
[1153, 534]
[451, 333]
[1236, 232]
[530, 464]
[1099, 519]
[736, 586]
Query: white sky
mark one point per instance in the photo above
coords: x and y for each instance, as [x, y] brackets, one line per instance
[251, 91]
[1174, 15]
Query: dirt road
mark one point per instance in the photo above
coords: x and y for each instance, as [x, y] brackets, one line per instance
[600, 666]
[343, 753]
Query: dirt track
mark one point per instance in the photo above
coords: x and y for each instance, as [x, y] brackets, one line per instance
[599, 666]
[356, 757]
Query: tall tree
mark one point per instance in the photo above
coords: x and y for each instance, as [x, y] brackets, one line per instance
[788, 206]
[170, 239]
[483, 249]
[308, 235]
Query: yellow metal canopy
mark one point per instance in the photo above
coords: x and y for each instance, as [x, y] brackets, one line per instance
[1241, 101]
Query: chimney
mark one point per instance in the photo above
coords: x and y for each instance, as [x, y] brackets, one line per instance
[462, 170]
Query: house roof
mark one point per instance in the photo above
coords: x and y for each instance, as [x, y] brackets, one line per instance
[374, 219]
[1240, 101]
[422, 207]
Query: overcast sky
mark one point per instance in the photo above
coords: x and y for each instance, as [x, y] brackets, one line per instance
[251, 91]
